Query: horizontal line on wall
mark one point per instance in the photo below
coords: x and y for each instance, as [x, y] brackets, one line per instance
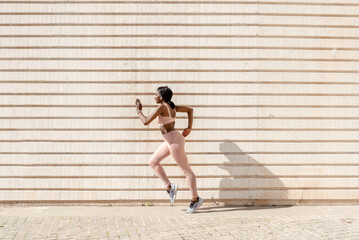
[188, 153]
[174, 59]
[182, 189]
[192, 164]
[251, 118]
[174, 25]
[178, 94]
[175, 81]
[199, 106]
[160, 140]
[181, 47]
[239, 202]
[197, 176]
[174, 36]
[194, 129]
[187, 2]
[177, 14]
[182, 70]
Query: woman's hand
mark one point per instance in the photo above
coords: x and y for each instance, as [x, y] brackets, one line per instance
[186, 132]
[138, 104]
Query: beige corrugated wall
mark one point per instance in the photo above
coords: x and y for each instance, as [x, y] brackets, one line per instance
[274, 86]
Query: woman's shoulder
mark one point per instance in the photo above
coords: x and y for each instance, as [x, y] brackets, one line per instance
[162, 109]
[168, 110]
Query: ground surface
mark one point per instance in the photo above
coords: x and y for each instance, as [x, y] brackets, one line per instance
[165, 222]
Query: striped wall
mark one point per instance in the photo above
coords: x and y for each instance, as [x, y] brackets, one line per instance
[274, 87]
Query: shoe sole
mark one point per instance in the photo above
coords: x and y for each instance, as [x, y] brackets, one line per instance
[174, 197]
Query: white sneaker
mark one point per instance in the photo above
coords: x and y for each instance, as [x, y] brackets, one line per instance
[194, 205]
[173, 192]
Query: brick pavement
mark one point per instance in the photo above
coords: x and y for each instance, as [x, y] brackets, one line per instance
[172, 223]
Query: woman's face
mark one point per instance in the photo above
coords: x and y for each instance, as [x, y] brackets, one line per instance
[158, 97]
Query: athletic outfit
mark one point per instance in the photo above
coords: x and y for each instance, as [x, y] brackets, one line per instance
[173, 145]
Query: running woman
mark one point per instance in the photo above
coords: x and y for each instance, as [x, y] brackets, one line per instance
[173, 144]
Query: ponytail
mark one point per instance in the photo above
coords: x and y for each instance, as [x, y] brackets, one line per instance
[171, 104]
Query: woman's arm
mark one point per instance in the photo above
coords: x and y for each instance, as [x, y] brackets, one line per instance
[189, 112]
[147, 120]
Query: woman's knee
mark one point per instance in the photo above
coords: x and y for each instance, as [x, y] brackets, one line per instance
[188, 172]
[152, 163]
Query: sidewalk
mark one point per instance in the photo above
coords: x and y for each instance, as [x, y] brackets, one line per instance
[165, 222]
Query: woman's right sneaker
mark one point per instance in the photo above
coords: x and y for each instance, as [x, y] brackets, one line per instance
[173, 192]
[194, 205]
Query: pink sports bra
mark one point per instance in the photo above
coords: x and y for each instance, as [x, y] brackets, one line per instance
[166, 119]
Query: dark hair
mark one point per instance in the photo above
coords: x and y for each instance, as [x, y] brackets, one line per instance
[166, 95]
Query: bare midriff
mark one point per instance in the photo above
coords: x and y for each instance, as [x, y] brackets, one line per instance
[166, 128]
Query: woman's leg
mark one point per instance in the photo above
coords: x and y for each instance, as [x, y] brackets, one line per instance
[177, 150]
[161, 153]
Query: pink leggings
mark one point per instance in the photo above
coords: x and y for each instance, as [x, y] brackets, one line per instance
[174, 145]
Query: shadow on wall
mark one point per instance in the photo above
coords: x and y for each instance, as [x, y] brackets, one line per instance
[247, 179]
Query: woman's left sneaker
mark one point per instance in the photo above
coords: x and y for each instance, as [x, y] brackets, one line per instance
[194, 205]
[173, 192]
